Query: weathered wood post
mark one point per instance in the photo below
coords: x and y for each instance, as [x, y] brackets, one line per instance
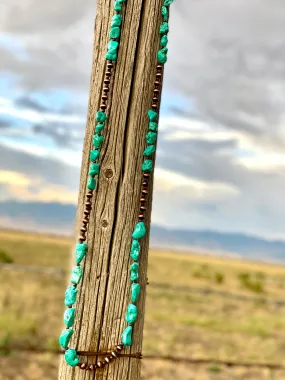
[104, 292]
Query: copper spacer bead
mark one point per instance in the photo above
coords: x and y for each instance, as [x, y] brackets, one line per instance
[89, 196]
[114, 354]
[88, 204]
[144, 191]
[154, 106]
[106, 89]
[83, 229]
[141, 217]
[103, 107]
[145, 183]
[157, 83]
[158, 75]
[146, 175]
[156, 91]
[87, 213]
[100, 364]
[110, 64]
[120, 347]
[107, 360]
[82, 239]
[159, 67]
[142, 208]
[107, 81]
[155, 99]
[142, 200]
[91, 367]
[85, 220]
[83, 365]
[104, 97]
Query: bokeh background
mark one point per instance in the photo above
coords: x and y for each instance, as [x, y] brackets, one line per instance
[219, 179]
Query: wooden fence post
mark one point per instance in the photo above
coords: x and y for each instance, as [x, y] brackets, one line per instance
[104, 292]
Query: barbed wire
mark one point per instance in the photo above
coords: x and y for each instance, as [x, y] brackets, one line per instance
[188, 360]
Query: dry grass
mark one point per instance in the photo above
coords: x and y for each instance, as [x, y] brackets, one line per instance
[177, 323]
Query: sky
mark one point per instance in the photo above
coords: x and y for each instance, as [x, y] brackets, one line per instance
[221, 157]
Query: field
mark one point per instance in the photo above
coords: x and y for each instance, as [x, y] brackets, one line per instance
[197, 307]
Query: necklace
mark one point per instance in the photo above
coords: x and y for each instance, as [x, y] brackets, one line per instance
[72, 355]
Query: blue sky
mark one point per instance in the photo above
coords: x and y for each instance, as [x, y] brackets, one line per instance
[221, 157]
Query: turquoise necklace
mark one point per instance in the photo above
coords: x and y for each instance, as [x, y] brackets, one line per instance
[72, 355]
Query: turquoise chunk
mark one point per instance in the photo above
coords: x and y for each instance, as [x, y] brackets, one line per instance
[70, 296]
[115, 32]
[161, 56]
[112, 50]
[99, 128]
[152, 126]
[164, 41]
[135, 250]
[127, 336]
[136, 289]
[121, 1]
[153, 116]
[147, 166]
[118, 8]
[134, 271]
[94, 169]
[91, 184]
[164, 12]
[69, 316]
[76, 275]
[151, 137]
[116, 20]
[149, 150]
[80, 252]
[71, 357]
[98, 140]
[168, 2]
[65, 337]
[164, 28]
[94, 155]
[139, 231]
[132, 314]
[101, 117]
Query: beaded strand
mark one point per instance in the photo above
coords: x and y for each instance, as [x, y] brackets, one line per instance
[71, 355]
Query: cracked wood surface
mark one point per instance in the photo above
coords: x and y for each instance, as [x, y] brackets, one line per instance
[104, 292]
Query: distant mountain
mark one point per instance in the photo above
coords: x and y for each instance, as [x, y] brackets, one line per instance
[244, 245]
[59, 218]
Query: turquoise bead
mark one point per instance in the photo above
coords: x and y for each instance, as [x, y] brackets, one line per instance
[71, 357]
[135, 250]
[94, 169]
[80, 252]
[116, 20]
[136, 289]
[149, 150]
[134, 272]
[164, 41]
[76, 275]
[70, 296]
[99, 128]
[161, 56]
[127, 336]
[153, 116]
[65, 337]
[98, 140]
[152, 126]
[112, 50]
[69, 316]
[117, 7]
[168, 2]
[115, 32]
[164, 12]
[164, 28]
[111, 56]
[101, 117]
[147, 166]
[151, 137]
[91, 184]
[94, 155]
[139, 231]
[132, 314]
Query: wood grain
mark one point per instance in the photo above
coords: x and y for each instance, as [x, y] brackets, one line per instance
[105, 289]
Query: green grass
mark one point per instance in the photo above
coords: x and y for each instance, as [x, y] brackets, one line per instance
[181, 323]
